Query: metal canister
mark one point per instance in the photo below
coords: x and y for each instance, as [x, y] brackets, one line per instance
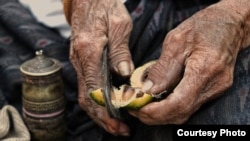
[43, 98]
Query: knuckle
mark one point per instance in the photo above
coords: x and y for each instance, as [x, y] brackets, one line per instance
[119, 54]
[121, 26]
[220, 60]
[83, 104]
[89, 40]
[82, 40]
[174, 36]
[121, 19]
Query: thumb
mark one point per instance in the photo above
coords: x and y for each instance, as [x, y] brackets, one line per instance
[163, 75]
[167, 71]
[121, 61]
[120, 26]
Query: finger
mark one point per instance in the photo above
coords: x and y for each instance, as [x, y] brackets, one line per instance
[172, 110]
[88, 80]
[120, 26]
[168, 69]
[196, 87]
[113, 126]
[89, 37]
[100, 115]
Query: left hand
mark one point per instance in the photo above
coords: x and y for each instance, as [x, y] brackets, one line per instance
[204, 48]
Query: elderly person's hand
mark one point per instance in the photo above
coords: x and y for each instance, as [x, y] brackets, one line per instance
[95, 24]
[203, 50]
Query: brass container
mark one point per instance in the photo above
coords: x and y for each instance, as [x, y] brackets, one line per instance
[43, 98]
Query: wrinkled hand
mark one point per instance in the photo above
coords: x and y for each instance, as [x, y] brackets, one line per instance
[203, 49]
[95, 24]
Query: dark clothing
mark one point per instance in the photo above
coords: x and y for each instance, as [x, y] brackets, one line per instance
[21, 35]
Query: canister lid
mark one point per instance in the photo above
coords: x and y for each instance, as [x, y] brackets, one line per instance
[40, 65]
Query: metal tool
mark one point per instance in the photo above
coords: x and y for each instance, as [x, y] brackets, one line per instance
[107, 88]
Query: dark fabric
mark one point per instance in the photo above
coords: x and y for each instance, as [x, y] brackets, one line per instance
[152, 19]
[21, 35]
[3, 100]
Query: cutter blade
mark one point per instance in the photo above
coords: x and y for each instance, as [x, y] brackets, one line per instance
[107, 88]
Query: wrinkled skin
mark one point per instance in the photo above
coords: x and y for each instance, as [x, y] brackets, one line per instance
[95, 24]
[203, 49]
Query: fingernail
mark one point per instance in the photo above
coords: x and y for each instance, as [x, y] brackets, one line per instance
[124, 68]
[123, 130]
[147, 85]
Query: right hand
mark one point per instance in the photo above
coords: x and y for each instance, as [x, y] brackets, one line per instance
[95, 24]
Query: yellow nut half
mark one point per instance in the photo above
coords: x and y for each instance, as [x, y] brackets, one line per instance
[128, 96]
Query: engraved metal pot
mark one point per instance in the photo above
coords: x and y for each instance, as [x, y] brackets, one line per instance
[43, 98]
